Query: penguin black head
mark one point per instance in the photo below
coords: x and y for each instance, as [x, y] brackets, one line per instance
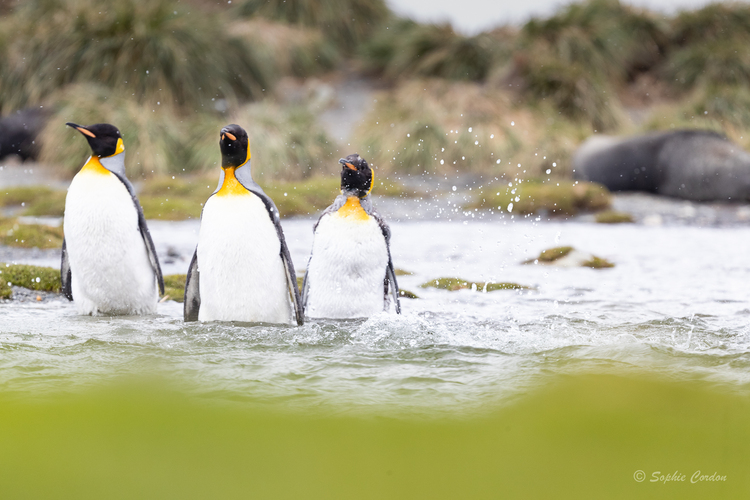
[104, 139]
[235, 150]
[356, 176]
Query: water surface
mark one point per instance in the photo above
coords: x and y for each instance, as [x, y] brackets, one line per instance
[676, 305]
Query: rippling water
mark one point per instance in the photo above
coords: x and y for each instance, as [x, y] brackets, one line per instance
[677, 304]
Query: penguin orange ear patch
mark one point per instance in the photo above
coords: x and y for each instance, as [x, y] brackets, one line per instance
[85, 132]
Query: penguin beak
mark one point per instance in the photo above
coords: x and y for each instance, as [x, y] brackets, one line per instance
[347, 164]
[81, 129]
[228, 135]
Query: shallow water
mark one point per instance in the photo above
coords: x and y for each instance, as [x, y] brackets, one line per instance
[676, 305]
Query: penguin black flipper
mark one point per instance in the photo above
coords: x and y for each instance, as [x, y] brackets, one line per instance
[243, 176]
[145, 234]
[66, 276]
[390, 272]
[192, 302]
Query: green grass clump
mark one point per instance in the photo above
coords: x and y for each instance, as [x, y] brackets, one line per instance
[613, 217]
[406, 49]
[567, 198]
[37, 200]
[597, 263]
[15, 234]
[406, 294]
[146, 441]
[153, 50]
[43, 279]
[454, 284]
[347, 22]
[174, 287]
[553, 254]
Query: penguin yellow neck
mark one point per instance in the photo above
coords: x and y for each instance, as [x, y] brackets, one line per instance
[353, 210]
[94, 166]
[231, 186]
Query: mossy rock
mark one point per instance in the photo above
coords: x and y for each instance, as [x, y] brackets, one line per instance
[529, 197]
[402, 272]
[613, 217]
[453, 284]
[174, 286]
[43, 279]
[406, 294]
[15, 234]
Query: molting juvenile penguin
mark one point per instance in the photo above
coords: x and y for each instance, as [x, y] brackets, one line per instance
[109, 264]
[350, 270]
[241, 269]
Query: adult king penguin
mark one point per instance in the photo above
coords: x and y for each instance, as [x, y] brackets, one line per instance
[350, 271]
[241, 269]
[109, 264]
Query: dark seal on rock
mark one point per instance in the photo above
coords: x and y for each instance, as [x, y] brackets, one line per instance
[691, 164]
[19, 131]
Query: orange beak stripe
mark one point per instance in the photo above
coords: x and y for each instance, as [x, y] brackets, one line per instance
[350, 166]
[222, 137]
[86, 132]
[231, 136]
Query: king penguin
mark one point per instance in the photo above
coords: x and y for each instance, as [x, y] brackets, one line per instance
[241, 269]
[350, 271]
[109, 264]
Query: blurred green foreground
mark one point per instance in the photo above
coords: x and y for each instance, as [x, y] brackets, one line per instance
[579, 437]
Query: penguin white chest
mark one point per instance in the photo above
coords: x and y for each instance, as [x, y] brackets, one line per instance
[110, 268]
[242, 275]
[347, 268]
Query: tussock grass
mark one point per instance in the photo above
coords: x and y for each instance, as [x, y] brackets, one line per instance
[293, 50]
[158, 139]
[437, 126]
[153, 50]
[347, 22]
[286, 142]
[423, 126]
[723, 109]
[577, 58]
[406, 49]
[567, 198]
